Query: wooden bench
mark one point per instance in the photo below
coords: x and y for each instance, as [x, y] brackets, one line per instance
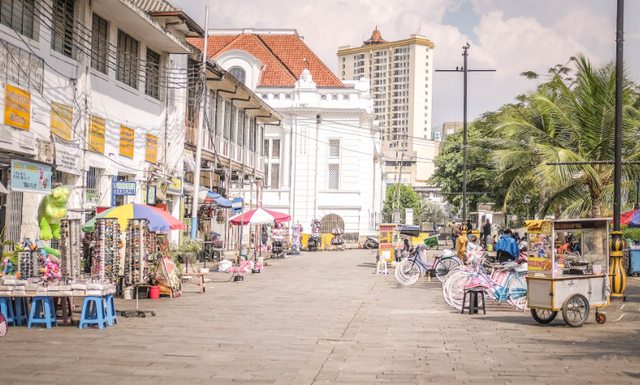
[200, 279]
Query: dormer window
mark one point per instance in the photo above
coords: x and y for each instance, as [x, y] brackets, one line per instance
[238, 73]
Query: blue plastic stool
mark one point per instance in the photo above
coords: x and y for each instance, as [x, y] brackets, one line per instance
[6, 308]
[45, 306]
[93, 312]
[110, 308]
[21, 310]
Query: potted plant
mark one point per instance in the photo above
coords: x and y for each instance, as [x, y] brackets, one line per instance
[189, 250]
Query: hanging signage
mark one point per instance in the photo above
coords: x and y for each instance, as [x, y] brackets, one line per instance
[151, 195]
[67, 155]
[236, 205]
[30, 177]
[152, 149]
[124, 188]
[189, 161]
[126, 141]
[61, 120]
[176, 185]
[17, 108]
[96, 134]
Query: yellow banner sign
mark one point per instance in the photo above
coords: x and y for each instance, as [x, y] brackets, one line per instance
[96, 134]
[540, 264]
[17, 108]
[152, 149]
[126, 141]
[176, 184]
[61, 118]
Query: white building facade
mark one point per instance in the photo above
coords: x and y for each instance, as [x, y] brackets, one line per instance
[107, 82]
[325, 158]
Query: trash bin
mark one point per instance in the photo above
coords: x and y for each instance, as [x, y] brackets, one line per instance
[634, 262]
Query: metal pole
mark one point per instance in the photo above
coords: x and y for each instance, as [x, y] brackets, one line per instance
[400, 179]
[617, 273]
[315, 189]
[464, 139]
[618, 130]
[196, 177]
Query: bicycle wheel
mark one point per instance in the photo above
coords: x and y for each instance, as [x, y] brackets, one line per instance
[444, 267]
[407, 272]
[455, 291]
[517, 292]
[543, 316]
[448, 283]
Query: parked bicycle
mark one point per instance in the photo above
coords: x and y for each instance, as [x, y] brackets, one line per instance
[416, 265]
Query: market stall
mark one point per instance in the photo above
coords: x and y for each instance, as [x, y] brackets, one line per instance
[571, 278]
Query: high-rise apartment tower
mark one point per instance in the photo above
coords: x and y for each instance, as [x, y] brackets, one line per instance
[401, 74]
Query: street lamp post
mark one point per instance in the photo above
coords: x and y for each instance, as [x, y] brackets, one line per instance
[617, 274]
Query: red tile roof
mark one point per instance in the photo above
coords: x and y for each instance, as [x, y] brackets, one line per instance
[281, 55]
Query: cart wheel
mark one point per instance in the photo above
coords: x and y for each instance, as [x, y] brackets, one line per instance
[153, 313]
[142, 315]
[575, 310]
[601, 318]
[543, 316]
[124, 314]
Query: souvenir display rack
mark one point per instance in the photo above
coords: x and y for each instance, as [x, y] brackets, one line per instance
[106, 253]
[141, 245]
[137, 252]
[70, 250]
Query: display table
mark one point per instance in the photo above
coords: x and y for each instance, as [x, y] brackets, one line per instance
[200, 280]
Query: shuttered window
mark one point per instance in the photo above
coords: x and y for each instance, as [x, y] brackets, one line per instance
[18, 15]
[127, 60]
[152, 80]
[99, 44]
[334, 176]
[62, 26]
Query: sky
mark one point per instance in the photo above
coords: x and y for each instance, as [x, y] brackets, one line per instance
[510, 36]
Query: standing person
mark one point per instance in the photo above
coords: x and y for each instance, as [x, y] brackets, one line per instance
[507, 247]
[455, 233]
[487, 232]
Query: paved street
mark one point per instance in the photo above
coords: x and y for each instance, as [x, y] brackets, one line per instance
[321, 318]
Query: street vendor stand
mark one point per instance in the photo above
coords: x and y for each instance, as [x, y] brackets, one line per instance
[388, 236]
[568, 282]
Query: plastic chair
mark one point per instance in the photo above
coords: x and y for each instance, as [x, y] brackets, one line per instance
[382, 262]
[6, 308]
[473, 294]
[93, 312]
[110, 310]
[44, 306]
[21, 310]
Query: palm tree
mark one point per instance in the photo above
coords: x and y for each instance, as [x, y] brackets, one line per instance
[570, 122]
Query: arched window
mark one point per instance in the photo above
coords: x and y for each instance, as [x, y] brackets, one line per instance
[238, 73]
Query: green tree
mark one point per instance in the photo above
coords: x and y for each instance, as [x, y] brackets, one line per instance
[432, 212]
[569, 119]
[408, 199]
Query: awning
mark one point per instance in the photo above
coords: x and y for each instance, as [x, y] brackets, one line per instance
[212, 197]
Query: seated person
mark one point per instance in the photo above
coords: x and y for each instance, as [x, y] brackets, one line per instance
[473, 244]
[507, 247]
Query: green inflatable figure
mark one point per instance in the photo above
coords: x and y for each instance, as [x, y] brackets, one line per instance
[52, 209]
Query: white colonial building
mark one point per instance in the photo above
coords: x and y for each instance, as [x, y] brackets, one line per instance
[324, 160]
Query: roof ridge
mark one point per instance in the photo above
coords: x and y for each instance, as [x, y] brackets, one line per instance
[223, 47]
[320, 61]
[265, 45]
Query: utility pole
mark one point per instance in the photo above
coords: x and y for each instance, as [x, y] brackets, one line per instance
[464, 70]
[315, 190]
[400, 178]
[617, 273]
[203, 105]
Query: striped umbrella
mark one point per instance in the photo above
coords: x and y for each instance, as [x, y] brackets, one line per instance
[159, 220]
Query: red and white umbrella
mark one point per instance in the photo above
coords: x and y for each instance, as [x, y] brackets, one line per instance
[259, 216]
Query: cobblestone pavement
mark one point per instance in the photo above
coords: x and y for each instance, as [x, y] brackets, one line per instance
[321, 318]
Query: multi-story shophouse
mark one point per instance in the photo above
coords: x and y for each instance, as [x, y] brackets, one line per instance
[93, 98]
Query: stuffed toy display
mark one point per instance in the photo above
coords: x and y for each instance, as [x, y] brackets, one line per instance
[52, 209]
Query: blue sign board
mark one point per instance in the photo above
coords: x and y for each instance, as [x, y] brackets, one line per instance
[30, 177]
[236, 205]
[124, 188]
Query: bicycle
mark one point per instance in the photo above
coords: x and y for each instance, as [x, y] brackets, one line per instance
[506, 283]
[413, 267]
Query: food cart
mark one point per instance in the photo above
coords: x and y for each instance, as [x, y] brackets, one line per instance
[571, 282]
[389, 237]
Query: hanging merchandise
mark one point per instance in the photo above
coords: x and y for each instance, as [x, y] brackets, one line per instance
[70, 250]
[105, 263]
[296, 233]
[220, 217]
[25, 266]
[137, 252]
